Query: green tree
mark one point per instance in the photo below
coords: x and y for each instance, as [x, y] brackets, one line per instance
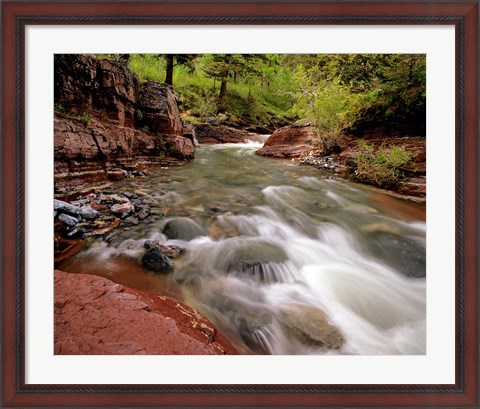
[231, 66]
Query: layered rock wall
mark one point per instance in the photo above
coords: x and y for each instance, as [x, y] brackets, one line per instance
[107, 124]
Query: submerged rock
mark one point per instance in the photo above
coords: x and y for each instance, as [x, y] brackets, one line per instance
[406, 256]
[154, 259]
[310, 325]
[182, 228]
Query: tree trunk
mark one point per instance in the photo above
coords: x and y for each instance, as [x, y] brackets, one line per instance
[223, 94]
[169, 74]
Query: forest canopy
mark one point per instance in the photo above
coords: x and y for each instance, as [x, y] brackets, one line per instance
[335, 92]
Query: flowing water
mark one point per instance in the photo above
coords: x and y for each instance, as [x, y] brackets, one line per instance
[282, 258]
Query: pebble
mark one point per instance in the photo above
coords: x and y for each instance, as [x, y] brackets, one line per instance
[129, 195]
[136, 202]
[156, 212]
[143, 213]
[122, 208]
[131, 220]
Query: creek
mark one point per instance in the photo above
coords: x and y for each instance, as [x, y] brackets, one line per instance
[283, 259]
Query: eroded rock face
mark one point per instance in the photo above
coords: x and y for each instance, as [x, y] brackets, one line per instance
[158, 109]
[290, 142]
[84, 83]
[95, 316]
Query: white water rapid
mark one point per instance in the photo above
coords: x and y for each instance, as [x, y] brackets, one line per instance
[287, 260]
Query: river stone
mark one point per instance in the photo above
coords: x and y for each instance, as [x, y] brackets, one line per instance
[310, 325]
[131, 220]
[88, 213]
[136, 202]
[119, 199]
[65, 207]
[256, 258]
[182, 228]
[121, 208]
[169, 251]
[129, 195]
[68, 220]
[143, 213]
[155, 260]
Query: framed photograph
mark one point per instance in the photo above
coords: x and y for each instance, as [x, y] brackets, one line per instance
[81, 88]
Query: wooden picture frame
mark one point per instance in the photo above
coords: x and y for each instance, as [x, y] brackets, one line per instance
[18, 14]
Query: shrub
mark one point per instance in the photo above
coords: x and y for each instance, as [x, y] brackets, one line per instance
[382, 167]
[85, 118]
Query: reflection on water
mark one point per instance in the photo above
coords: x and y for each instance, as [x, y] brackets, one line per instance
[285, 260]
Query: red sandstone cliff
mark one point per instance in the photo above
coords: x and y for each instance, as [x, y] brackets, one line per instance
[108, 124]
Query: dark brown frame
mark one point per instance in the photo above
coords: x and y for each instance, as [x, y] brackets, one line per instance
[464, 15]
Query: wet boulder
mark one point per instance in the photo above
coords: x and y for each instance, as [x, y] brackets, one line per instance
[169, 251]
[255, 258]
[182, 228]
[154, 259]
[310, 326]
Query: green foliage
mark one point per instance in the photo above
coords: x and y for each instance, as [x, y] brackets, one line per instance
[381, 167]
[330, 105]
[257, 84]
[85, 117]
[146, 128]
[58, 107]
[336, 92]
[139, 114]
[148, 67]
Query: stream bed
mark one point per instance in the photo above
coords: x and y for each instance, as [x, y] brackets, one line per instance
[283, 259]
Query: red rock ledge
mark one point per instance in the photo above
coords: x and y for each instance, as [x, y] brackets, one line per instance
[95, 316]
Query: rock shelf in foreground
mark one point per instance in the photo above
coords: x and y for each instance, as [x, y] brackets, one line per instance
[95, 316]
